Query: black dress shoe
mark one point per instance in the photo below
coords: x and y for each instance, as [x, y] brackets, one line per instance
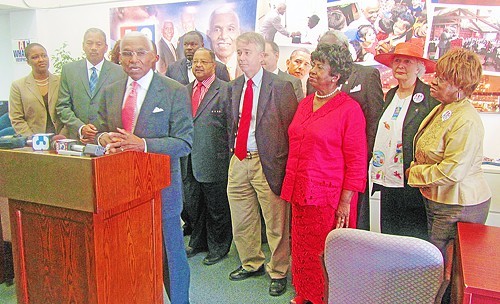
[211, 259]
[241, 273]
[191, 252]
[277, 287]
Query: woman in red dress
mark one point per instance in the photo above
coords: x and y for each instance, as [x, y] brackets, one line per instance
[326, 168]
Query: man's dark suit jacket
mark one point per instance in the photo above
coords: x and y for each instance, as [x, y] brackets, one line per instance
[209, 157]
[178, 71]
[296, 83]
[276, 108]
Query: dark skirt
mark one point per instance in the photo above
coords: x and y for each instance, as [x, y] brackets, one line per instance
[402, 212]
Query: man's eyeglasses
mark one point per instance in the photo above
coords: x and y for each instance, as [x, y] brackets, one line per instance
[130, 54]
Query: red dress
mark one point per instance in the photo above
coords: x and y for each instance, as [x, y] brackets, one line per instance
[327, 153]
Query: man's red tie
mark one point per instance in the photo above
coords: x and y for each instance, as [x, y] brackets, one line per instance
[195, 101]
[128, 111]
[246, 116]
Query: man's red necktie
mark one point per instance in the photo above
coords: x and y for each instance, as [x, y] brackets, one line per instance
[128, 111]
[195, 101]
[244, 127]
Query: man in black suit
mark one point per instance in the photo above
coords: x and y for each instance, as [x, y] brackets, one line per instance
[365, 87]
[206, 167]
[262, 107]
[270, 63]
[181, 71]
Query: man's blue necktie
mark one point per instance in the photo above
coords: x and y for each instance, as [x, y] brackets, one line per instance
[93, 80]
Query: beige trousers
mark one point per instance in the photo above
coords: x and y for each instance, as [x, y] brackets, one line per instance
[247, 189]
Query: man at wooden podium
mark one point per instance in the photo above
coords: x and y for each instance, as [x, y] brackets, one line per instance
[148, 112]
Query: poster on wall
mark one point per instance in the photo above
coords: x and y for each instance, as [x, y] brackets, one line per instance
[377, 26]
[18, 47]
[372, 27]
[291, 23]
[473, 28]
[476, 28]
[218, 22]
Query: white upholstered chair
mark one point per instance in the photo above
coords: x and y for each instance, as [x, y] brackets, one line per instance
[370, 267]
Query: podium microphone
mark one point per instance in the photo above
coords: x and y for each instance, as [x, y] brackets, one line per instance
[54, 139]
[66, 146]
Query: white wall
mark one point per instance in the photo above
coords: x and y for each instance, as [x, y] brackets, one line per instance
[6, 62]
[76, 21]
[491, 147]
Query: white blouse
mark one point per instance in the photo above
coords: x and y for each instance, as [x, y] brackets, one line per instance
[387, 160]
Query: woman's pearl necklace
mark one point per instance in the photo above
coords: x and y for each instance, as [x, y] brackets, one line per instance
[327, 95]
[42, 82]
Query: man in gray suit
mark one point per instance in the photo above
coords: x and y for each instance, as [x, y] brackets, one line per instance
[270, 63]
[181, 71]
[159, 122]
[365, 87]
[262, 108]
[205, 181]
[82, 86]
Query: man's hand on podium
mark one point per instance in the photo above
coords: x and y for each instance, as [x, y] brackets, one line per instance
[89, 132]
[124, 141]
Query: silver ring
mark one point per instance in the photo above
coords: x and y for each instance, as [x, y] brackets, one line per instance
[121, 149]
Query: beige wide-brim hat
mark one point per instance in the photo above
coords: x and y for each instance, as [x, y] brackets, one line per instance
[413, 49]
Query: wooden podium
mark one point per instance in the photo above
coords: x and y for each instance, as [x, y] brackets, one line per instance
[85, 230]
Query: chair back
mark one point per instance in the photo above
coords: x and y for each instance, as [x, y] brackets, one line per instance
[370, 267]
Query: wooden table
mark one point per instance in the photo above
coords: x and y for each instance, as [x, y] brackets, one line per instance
[476, 276]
